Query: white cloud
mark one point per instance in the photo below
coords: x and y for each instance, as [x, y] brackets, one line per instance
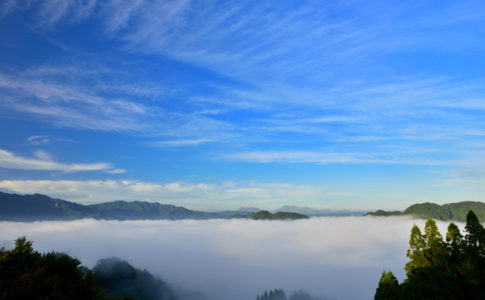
[306, 157]
[38, 139]
[116, 171]
[181, 143]
[43, 161]
[323, 194]
[91, 191]
[242, 41]
[225, 195]
[319, 255]
[43, 155]
[60, 99]
[70, 105]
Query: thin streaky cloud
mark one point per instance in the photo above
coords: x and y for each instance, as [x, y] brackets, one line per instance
[334, 158]
[41, 162]
[180, 143]
[116, 171]
[38, 139]
[69, 104]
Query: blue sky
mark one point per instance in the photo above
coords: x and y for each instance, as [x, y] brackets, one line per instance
[222, 104]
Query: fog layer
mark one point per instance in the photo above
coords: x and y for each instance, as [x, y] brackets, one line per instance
[340, 258]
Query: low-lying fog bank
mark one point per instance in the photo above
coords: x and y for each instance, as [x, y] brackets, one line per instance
[340, 258]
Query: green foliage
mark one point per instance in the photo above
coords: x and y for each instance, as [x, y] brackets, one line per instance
[459, 210]
[437, 269]
[428, 210]
[136, 210]
[26, 274]
[119, 279]
[453, 211]
[388, 287]
[383, 213]
[266, 215]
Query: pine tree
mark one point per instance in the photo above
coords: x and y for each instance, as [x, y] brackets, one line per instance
[388, 288]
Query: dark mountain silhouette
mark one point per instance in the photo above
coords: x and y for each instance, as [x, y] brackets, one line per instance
[14, 207]
[37, 207]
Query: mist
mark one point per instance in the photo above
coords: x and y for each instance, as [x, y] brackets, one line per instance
[336, 258]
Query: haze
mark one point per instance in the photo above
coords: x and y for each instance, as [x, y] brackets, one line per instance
[340, 258]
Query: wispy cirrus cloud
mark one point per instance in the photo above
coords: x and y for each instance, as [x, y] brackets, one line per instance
[180, 143]
[45, 139]
[71, 97]
[334, 158]
[43, 162]
[69, 105]
[321, 63]
[38, 139]
[265, 38]
[95, 191]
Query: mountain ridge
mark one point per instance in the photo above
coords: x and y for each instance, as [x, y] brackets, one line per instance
[313, 212]
[447, 212]
[38, 207]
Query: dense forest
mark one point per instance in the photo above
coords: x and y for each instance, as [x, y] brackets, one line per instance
[453, 268]
[279, 294]
[447, 212]
[266, 215]
[28, 274]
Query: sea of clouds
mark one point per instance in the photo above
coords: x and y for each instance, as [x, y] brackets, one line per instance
[332, 258]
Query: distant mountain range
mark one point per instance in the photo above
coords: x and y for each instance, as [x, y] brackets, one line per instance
[37, 207]
[447, 212]
[312, 212]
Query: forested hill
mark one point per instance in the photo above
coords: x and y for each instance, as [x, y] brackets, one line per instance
[37, 207]
[136, 210]
[452, 211]
[14, 207]
[266, 215]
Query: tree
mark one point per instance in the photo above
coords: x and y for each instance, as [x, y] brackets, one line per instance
[276, 294]
[417, 245]
[26, 274]
[119, 279]
[300, 295]
[388, 287]
[474, 257]
[437, 269]
[476, 235]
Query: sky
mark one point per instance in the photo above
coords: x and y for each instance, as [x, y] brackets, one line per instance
[226, 104]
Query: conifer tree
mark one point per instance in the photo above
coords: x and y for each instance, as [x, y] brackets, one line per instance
[388, 288]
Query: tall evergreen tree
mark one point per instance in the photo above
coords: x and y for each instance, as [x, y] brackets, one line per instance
[388, 288]
[276, 294]
[454, 269]
[417, 245]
